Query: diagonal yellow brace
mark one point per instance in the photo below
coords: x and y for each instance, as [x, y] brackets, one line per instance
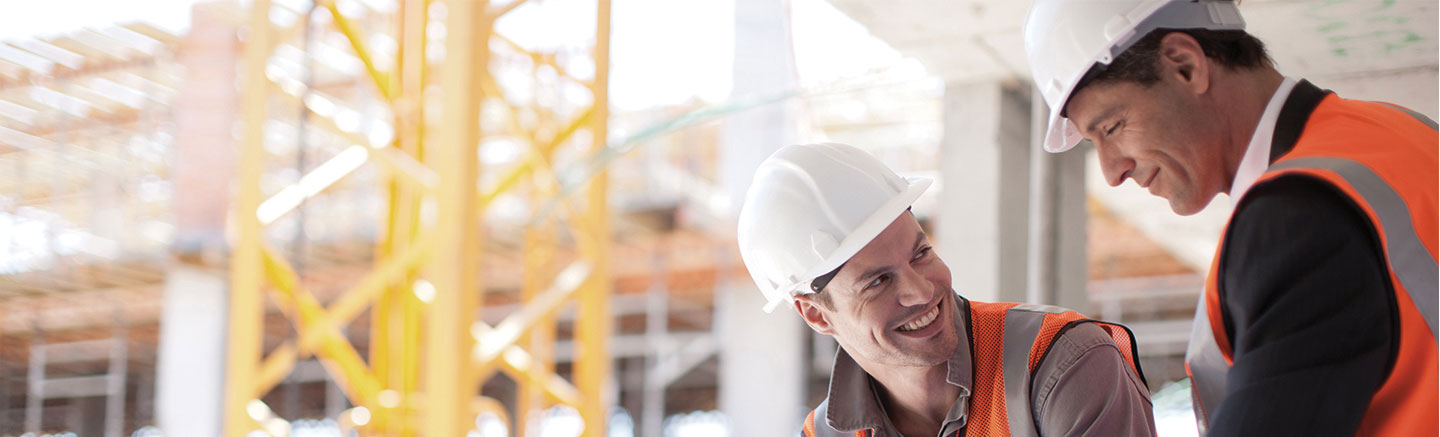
[382, 79]
[491, 342]
[538, 58]
[410, 168]
[490, 87]
[336, 352]
[518, 363]
[397, 161]
[275, 367]
[322, 178]
[517, 172]
[353, 301]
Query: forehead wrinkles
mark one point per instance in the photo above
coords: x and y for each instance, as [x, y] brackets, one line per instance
[1100, 105]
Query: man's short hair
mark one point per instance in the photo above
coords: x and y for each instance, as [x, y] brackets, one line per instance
[822, 298]
[1234, 49]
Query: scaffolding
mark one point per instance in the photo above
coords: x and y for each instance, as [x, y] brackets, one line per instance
[428, 352]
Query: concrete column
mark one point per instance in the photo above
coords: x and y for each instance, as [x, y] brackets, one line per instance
[205, 119]
[1058, 264]
[762, 365]
[190, 362]
[762, 369]
[764, 65]
[980, 227]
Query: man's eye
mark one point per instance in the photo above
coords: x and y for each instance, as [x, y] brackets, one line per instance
[1112, 129]
[878, 281]
[922, 253]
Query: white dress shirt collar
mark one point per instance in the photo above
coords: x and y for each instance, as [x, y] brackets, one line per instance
[1257, 154]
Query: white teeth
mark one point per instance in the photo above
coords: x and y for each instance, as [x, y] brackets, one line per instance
[923, 321]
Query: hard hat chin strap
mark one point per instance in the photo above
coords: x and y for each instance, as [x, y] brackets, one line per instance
[820, 281]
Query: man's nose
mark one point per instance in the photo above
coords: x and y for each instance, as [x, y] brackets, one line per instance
[914, 288]
[1115, 166]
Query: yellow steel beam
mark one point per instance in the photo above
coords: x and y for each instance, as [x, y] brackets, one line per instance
[452, 250]
[395, 340]
[593, 324]
[246, 312]
[448, 382]
[539, 251]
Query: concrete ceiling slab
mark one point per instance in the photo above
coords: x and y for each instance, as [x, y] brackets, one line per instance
[977, 40]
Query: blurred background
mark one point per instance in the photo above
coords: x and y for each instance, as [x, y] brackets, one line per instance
[515, 218]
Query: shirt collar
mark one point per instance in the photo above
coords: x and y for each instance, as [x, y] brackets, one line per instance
[1257, 153]
[854, 404]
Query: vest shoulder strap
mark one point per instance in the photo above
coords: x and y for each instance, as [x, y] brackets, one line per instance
[1406, 255]
[1006, 362]
[1023, 333]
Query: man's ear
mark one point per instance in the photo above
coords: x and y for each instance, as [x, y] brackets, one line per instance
[1182, 58]
[813, 315]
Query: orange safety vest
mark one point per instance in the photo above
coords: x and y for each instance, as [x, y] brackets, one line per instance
[1394, 183]
[1005, 333]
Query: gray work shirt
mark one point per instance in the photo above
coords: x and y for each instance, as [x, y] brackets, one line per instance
[1084, 387]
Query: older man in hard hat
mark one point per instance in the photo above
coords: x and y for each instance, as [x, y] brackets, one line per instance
[1319, 315]
[826, 230]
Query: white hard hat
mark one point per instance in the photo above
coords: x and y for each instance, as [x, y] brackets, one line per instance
[1065, 38]
[812, 207]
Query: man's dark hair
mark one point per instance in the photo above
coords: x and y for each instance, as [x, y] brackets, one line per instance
[1234, 49]
[823, 299]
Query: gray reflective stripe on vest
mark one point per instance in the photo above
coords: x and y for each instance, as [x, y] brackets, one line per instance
[1206, 365]
[1022, 325]
[1411, 262]
[1417, 115]
[822, 425]
[1405, 254]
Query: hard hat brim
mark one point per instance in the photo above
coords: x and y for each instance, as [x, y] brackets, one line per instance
[853, 243]
[1061, 134]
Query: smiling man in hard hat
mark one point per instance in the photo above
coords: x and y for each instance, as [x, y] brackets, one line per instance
[826, 230]
[1319, 315]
